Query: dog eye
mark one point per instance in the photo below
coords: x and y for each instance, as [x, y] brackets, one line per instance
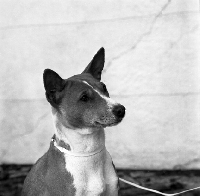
[84, 98]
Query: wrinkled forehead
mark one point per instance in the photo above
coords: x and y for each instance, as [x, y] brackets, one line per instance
[80, 82]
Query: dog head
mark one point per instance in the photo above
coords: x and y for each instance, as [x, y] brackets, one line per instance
[82, 101]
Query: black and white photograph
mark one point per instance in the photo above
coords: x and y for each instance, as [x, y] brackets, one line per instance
[99, 97]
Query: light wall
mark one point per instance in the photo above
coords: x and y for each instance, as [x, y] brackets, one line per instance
[152, 67]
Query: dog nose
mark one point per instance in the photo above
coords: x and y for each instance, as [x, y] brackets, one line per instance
[119, 111]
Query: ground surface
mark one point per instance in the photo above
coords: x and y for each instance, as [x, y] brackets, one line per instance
[12, 177]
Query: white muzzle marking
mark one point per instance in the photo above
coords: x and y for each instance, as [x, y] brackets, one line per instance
[110, 102]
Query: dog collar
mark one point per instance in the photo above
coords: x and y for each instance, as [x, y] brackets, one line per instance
[70, 153]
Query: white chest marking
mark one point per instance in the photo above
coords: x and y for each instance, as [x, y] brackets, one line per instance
[93, 175]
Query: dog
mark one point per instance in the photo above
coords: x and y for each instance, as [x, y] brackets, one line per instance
[77, 162]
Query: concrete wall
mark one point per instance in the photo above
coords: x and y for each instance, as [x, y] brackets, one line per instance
[152, 67]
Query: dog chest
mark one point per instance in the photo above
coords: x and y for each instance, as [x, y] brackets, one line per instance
[93, 175]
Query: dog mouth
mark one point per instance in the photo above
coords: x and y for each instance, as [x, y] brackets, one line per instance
[108, 124]
[98, 124]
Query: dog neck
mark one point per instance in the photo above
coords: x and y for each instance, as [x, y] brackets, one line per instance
[78, 141]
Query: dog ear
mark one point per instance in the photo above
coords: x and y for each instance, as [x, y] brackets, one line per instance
[53, 84]
[95, 67]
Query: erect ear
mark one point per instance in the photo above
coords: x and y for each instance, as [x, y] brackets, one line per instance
[95, 67]
[52, 81]
[53, 84]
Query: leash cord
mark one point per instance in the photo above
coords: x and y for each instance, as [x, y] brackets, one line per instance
[155, 191]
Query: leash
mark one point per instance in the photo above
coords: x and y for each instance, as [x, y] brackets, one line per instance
[155, 191]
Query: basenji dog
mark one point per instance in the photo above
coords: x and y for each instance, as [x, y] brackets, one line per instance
[77, 162]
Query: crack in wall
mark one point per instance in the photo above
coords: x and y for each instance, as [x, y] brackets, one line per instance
[139, 40]
[181, 94]
[24, 26]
